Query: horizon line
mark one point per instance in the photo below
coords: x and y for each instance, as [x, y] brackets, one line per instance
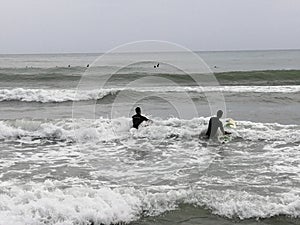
[196, 51]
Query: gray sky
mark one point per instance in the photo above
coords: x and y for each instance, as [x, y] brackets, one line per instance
[40, 26]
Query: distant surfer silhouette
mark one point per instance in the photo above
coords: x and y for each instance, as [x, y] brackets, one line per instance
[137, 119]
[214, 125]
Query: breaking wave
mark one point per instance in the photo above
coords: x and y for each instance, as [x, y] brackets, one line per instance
[64, 95]
[49, 203]
[87, 200]
[119, 128]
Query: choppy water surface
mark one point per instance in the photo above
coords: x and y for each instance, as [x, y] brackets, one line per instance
[55, 169]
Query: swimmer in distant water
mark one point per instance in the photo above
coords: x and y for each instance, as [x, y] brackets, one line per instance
[214, 125]
[137, 119]
[156, 66]
[88, 65]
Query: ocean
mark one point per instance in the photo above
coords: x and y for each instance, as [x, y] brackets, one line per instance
[69, 154]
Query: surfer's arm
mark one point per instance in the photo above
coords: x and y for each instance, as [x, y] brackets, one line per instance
[145, 118]
[148, 120]
[222, 129]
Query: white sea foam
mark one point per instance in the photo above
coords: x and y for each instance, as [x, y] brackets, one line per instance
[48, 203]
[242, 204]
[63, 95]
[110, 129]
[256, 89]
[268, 131]
[52, 95]
[127, 191]
[38, 203]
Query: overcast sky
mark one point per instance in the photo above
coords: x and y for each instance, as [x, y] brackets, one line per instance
[57, 26]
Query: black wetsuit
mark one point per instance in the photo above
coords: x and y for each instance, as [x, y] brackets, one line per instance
[213, 126]
[137, 119]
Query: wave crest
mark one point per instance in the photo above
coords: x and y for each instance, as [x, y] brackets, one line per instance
[111, 129]
[65, 95]
[48, 203]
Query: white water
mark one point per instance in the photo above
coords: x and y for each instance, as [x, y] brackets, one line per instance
[67, 171]
[59, 95]
[103, 171]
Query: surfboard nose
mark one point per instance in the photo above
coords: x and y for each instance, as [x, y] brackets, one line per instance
[230, 123]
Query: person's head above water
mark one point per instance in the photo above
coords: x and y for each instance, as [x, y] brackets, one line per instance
[219, 113]
[138, 110]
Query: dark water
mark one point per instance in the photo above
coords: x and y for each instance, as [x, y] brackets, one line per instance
[190, 215]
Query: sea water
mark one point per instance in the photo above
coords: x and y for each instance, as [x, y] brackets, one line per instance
[57, 168]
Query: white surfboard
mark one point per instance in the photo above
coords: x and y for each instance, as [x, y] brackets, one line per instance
[145, 123]
[231, 124]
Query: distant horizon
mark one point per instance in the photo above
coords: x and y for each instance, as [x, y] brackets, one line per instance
[196, 51]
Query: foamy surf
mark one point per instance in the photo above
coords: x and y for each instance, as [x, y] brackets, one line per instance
[50, 203]
[121, 128]
[51, 95]
[55, 169]
[65, 95]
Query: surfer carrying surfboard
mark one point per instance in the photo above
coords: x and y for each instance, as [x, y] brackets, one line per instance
[137, 119]
[214, 125]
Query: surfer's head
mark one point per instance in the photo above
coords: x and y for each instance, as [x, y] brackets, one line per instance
[138, 110]
[219, 113]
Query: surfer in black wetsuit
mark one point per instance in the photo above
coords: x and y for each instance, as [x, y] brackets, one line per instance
[214, 125]
[137, 119]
